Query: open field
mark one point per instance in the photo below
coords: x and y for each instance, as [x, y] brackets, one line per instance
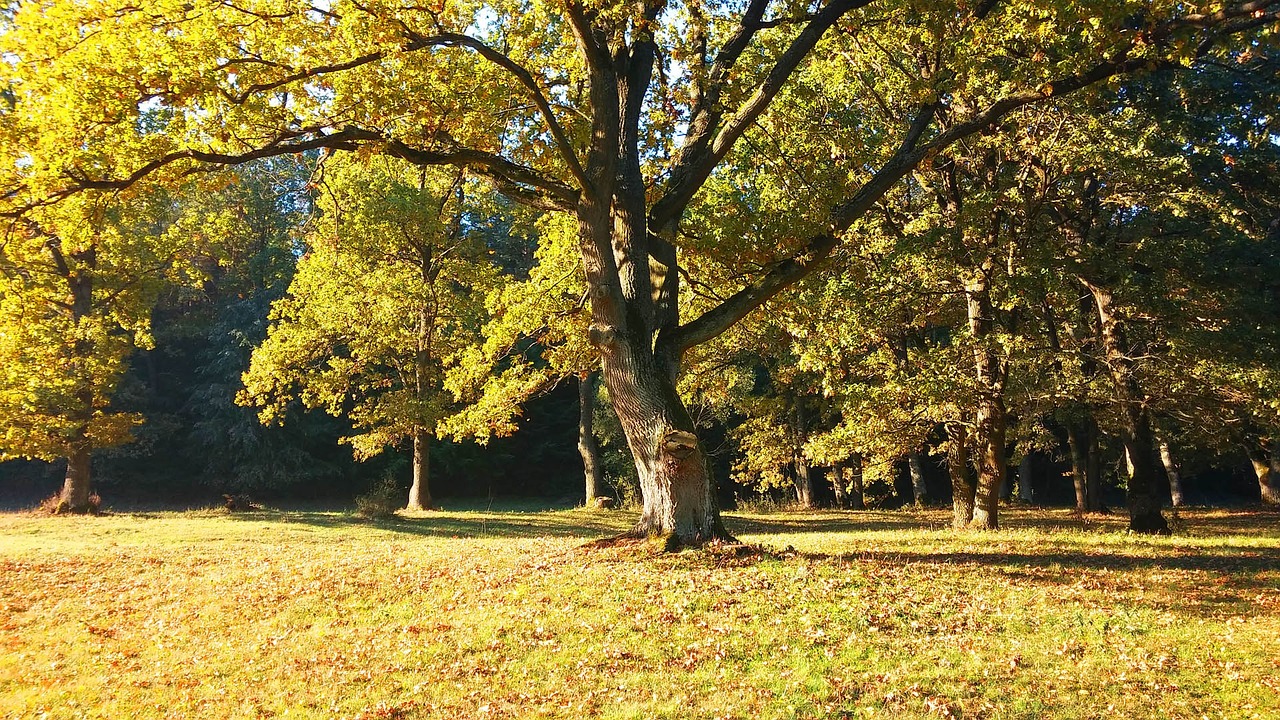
[507, 615]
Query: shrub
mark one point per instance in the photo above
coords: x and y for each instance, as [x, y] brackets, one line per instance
[382, 500]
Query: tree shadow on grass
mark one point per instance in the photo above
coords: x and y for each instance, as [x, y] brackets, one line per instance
[586, 524]
[1197, 522]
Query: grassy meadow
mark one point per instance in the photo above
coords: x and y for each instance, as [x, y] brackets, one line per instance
[487, 614]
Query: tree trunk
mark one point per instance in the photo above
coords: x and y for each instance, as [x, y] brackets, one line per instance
[1173, 472]
[77, 487]
[915, 461]
[989, 426]
[838, 485]
[1094, 468]
[1079, 447]
[804, 479]
[962, 487]
[679, 502]
[804, 483]
[857, 500]
[1026, 484]
[1264, 466]
[1139, 444]
[588, 448]
[420, 491]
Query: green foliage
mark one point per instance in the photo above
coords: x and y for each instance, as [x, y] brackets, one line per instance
[386, 298]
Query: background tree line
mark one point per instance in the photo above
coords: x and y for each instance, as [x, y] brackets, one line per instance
[856, 242]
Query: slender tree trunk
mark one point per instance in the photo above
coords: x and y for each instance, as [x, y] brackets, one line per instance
[804, 478]
[915, 462]
[77, 487]
[1264, 466]
[1026, 484]
[989, 425]
[588, 448]
[1174, 473]
[838, 481]
[1079, 447]
[1139, 443]
[962, 487]
[420, 491]
[1094, 468]
[857, 500]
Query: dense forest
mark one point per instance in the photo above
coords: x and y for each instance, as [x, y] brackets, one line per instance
[677, 254]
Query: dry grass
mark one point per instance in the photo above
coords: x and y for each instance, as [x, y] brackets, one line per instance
[495, 614]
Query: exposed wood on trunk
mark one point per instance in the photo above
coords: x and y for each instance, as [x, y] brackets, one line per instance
[1266, 466]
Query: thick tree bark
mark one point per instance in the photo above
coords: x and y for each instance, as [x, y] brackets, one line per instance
[420, 491]
[990, 420]
[1139, 443]
[1174, 474]
[679, 500]
[838, 481]
[1265, 467]
[1078, 444]
[76, 488]
[1026, 479]
[804, 484]
[588, 447]
[915, 462]
[963, 488]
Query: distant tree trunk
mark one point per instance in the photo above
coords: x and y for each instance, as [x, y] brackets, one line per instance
[803, 478]
[588, 447]
[915, 462]
[838, 481]
[857, 500]
[77, 487]
[1094, 468]
[420, 491]
[1026, 473]
[962, 488]
[1144, 509]
[1078, 444]
[1175, 474]
[1264, 466]
[989, 427]
[804, 483]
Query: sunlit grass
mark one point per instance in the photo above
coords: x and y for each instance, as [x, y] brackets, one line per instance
[482, 614]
